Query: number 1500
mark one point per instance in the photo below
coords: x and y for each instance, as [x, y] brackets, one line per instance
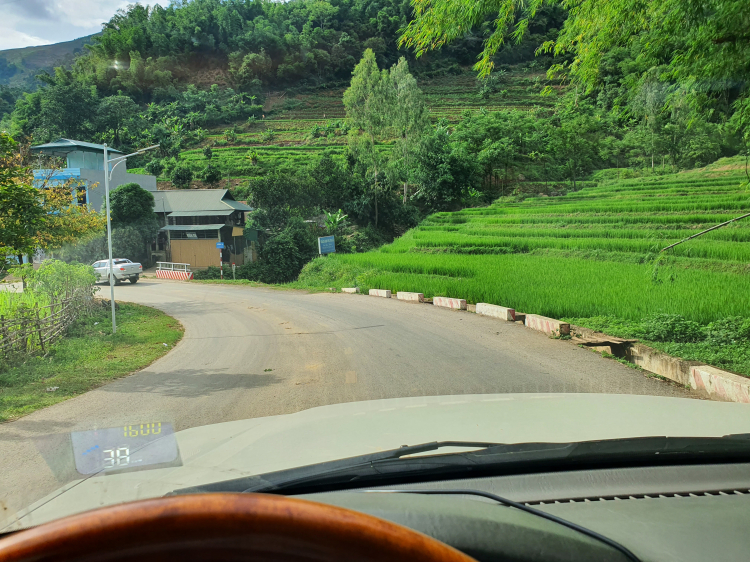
[116, 457]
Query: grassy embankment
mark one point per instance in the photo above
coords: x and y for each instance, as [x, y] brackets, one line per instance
[591, 257]
[88, 357]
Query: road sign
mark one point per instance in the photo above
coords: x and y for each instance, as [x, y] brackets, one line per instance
[326, 245]
[220, 245]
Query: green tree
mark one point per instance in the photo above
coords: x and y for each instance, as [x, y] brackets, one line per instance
[130, 203]
[284, 255]
[368, 102]
[211, 174]
[181, 176]
[445, 172]
[409, 116]
[21, 210]
[64, 107]
[113, 112]
[574, 141]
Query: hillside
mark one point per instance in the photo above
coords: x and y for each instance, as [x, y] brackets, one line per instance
[296, 127]
[591, 255]
[18, 67]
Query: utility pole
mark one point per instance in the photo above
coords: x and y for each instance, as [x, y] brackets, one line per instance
[107, 179]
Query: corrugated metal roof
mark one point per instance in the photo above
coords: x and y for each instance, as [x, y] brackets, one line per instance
[218, 212]
[68, 145]
[237, 205]
[192, 227]
[195, 200]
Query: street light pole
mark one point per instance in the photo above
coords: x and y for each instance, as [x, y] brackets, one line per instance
[109, 241]
[107, 179]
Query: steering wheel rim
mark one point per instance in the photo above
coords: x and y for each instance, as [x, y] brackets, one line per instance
[224, 527]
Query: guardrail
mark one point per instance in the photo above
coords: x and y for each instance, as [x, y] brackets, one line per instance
[172, 270]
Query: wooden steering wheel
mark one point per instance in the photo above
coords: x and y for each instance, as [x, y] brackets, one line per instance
[247, 527]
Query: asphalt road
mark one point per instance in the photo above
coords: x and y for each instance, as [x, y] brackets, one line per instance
[251, 352]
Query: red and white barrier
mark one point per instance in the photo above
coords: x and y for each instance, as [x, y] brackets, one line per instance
[178, 275]
[501, 312]
[410, 297]
[547, 325]
[385, 293]
[447, 302]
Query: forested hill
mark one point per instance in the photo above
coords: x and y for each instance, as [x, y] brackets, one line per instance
[19, 67]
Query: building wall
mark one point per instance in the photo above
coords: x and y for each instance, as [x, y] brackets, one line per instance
[120, 176]
[198, 253]
[146, 182]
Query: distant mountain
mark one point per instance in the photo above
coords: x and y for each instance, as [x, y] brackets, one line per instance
[18, 67]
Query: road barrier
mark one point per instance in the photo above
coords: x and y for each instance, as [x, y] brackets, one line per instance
[170, 270]
[410, 297]
[350, 290]
[447, 302]
[385, 293]
[716, 382]
[547, 325]
[501, 312]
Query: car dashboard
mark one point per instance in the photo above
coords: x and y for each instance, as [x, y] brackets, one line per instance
[665, 513]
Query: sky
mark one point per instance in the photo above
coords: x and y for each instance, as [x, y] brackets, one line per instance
[26, 23]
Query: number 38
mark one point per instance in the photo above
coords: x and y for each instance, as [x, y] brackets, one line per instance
[116, 457]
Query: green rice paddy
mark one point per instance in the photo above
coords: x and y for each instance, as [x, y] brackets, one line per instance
[594, 252]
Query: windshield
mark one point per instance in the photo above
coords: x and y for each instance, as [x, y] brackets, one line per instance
[343, 228]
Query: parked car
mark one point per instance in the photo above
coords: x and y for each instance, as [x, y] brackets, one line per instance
[123, 269]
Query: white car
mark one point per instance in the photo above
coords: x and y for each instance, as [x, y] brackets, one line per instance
[123, 269]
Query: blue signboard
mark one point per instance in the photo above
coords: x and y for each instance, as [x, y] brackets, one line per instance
[326, 245]
[220, 245]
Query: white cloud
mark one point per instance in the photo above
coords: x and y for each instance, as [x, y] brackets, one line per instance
[40, 22]
[13, 39]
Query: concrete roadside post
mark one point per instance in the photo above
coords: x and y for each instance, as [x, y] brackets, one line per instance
[234, 278]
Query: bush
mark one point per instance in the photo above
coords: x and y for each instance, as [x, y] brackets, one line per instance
[55, 277]
[671, 328]
[155, 167]
[728, 331]
[366, 239]
[210, 174]
[181, 176]
[211, 272]
[283, 256]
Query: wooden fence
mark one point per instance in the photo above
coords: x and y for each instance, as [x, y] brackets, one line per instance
[33, 329]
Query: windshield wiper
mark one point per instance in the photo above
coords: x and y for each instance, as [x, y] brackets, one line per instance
[396, 466]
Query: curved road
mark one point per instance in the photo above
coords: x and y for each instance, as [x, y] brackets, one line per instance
[250, 352]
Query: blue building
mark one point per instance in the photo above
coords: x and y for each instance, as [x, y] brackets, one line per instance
[84, 163]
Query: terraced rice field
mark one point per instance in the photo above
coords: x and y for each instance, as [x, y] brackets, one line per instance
[590, 253]
[283, 139]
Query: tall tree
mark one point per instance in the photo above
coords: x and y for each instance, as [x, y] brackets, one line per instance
[113, 112]
[409, 114]
[368, 102]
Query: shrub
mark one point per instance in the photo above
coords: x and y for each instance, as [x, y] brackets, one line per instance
[211, 272]
[366, 239]
[155, 167]
[728, 331]
[181, 176]
[210, 174]
[671, 328]
[55, 277]
[283, 256]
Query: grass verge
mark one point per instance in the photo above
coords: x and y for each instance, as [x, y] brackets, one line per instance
[89, 356]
